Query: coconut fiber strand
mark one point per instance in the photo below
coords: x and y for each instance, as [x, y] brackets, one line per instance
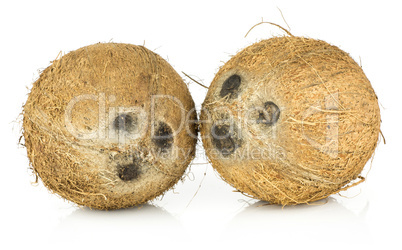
[105, 126]
[290, 120]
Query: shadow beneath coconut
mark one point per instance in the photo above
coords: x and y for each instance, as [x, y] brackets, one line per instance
[326, 221]
[123, 227]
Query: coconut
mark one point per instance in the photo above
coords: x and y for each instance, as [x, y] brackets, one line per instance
[109, 126]
[290, 120]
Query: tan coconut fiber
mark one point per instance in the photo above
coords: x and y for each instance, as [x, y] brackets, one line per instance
[290, 120]
[107, 126]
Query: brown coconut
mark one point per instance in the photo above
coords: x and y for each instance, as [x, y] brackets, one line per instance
[107, 126]
[290, 120]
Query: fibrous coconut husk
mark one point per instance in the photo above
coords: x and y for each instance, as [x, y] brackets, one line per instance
[290, 120]
[94, 124]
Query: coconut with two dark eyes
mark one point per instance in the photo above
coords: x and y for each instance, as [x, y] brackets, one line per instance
[109, 126]
[290, 120]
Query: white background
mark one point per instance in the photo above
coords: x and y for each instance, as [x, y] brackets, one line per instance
[202, 212]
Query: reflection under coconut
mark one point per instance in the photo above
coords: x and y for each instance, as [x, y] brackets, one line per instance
[139, 223]
[326, 220]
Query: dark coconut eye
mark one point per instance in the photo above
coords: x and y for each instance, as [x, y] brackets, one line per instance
[128, 172]
[231, 87]
[270, 114]
[223, 140]
[125, 122]
[163, 137]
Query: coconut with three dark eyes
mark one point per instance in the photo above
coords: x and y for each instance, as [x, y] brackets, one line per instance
[109, 126]
[290, 120]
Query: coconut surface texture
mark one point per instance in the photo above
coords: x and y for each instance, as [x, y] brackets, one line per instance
[109, 126]
[290, 120]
